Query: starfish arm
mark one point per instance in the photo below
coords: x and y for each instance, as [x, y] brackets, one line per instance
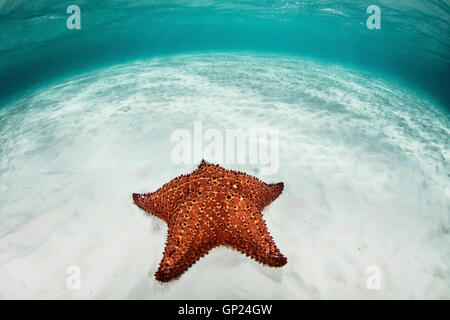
[149, 203]
[251, 237]
[271, 192]
[186, 243]
[252, 188]
[164, 200]
[258, 192]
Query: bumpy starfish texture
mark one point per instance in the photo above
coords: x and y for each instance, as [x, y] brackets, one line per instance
[210, 207]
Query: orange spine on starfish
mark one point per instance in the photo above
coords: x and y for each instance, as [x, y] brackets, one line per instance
[212, 206]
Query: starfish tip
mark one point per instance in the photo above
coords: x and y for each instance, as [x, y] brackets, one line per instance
[279, 186]
[137, 198]
[163, 276]
[283, 261]
[203, 163]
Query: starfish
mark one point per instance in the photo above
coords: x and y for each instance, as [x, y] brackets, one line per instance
[209, 207]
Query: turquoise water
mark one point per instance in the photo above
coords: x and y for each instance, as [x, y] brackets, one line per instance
[412, 44]
[87, 117]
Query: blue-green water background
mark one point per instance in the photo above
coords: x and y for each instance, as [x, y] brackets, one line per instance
[412, 46]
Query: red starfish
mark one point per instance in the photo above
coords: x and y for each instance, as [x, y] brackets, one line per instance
[210, 207]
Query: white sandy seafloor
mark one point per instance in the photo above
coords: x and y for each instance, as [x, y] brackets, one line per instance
[364, 162]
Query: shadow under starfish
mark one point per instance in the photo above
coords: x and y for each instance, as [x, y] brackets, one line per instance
[209, 207]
